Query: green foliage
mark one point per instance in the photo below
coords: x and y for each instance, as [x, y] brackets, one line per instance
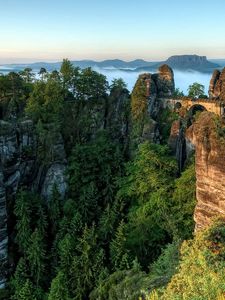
[165, 118]
[138, 107]
[201, 271]
[178, 93]
[148, 186]
[195, 90]
[122, 285]
[23, 226]
[166, 265]
[118, 217]
[45, 102]
[183, 203]
[26, 292]
[36, 256]
[118, 252]
[118, 84]
[59, 289]
[93, 170]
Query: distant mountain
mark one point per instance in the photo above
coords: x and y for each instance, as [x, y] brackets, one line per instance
[179, 62]
[220, 62]
[113, 63]
[187, 63]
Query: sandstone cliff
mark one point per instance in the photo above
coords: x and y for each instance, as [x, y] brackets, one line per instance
[146, 104]
[217, 85]
[207, 135]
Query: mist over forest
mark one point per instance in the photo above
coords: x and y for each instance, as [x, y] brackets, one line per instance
[182, 78]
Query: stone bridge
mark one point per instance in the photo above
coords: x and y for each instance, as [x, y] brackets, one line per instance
[189, 104]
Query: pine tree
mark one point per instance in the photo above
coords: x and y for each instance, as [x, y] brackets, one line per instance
[36, 256]
[26, 292]
[23, 213]
[118, 252]
[59, 288]
[55, 210]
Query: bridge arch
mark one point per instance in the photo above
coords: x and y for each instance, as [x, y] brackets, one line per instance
[196, 108]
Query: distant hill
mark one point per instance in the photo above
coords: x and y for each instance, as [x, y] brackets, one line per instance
[187, 63]
[220, 62]
[179, 62]
[113, 63]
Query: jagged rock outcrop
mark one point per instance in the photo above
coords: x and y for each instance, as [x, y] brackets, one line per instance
[217, 85]
[146, 101]
[164, 81]
[207, 136]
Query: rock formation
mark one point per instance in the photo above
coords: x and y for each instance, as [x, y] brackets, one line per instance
[145, 100]
[194, 62]
[207, 135]
[217, 85]
[19, 167]
[164, 81]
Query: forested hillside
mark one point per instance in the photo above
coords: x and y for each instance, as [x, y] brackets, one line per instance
[94, 203]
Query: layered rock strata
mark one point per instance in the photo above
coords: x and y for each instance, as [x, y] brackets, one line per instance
[217, 85]
[207, 136]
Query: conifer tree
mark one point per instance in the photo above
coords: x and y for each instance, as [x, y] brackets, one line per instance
[36, 256]
[23, 213]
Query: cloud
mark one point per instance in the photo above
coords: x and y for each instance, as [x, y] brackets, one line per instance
[182, 79]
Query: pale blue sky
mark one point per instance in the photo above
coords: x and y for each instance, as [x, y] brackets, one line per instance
[32, 30]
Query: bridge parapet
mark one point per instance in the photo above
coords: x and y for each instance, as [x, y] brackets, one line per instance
[214, 106]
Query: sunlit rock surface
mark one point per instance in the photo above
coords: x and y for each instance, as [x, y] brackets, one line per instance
[206, 135]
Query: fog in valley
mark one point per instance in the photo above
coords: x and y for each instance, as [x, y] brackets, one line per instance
[182, 79]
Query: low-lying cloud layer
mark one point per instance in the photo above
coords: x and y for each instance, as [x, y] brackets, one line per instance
[182, 79]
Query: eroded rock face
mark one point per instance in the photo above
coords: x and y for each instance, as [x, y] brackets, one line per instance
[55, 176]
[147, 100]
[174, 135]
[19, 167]
[15, 169]
[210, 169]
[217, 85]
[164, 81]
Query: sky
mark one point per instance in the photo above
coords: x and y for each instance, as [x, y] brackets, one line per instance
[49, 30]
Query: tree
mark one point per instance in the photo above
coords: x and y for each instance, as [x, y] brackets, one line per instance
[36, 256]
[89, 259]
[27, 75]
[118, 84]
[59, 288]
[91, 85]
[118, 252]
[55, 209]
[178, 93]
[93, 170]
[148, 188]
[23, 213]
[42, 73]
[195, 90]
[27, 292]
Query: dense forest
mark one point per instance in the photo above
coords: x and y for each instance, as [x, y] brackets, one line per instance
[123, 228]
